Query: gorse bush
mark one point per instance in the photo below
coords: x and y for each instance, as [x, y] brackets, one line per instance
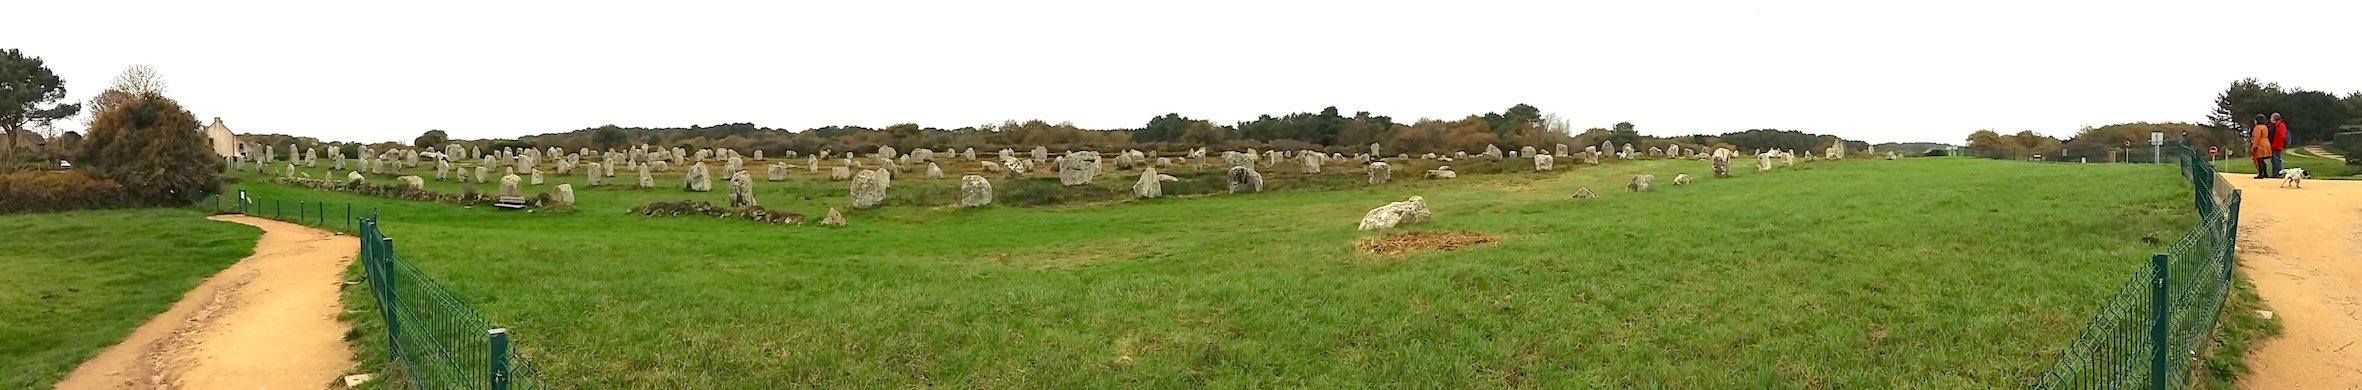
[151, 146]
[47, 191]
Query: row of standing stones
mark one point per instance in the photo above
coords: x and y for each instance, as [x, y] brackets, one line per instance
[1073, 168]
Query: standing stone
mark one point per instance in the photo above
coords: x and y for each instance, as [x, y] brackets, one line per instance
[593, 172]
[1526, 151]
[1410, 211]
[886, 152]
[1442, 172]
[563, 194]
[1542, 162]
[1763, 161]
[1148, 186]
[1380, 172]
[834, 218]
[699, 179]
[812, 163]
[975, 191]
[483, 175]
[508, 185]
[537, 176]
[775, 171]
[758, 155]
[742, 190]
[868, 189]
[934, 172]
[1788, 158]
[840, 173]
[1310, 161]
[442, 170]
[1078, 168]
[1642, 182]
[1561, 150]
[731, 166]
[660, 166]
[646, 180]
[1722, 162]
[968, 154]
[1041, 153]
[1591, 155]
[1244, 179]
[412, 183]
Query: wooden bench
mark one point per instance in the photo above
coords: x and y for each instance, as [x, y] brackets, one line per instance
[509, 202]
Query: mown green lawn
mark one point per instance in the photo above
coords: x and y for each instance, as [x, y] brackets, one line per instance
[76, 282]
[1919, 273]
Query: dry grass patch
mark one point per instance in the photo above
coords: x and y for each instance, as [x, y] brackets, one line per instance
[1424, 240]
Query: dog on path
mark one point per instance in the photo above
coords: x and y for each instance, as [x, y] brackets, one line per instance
[2292, 178]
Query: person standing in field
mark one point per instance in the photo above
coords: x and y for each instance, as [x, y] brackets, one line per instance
[2259, 145]
[2279, 142]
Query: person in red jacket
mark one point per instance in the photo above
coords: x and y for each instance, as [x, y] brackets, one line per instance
[2279, 142]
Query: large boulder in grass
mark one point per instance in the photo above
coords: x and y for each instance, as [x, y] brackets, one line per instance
[834, 218]
[562, 194]
[869, 189]
[354, 178]
[975, 191]
[699, 179]
[1148, 186]
[509, 185]
[1387, 217]
[1244, 179]
[933, 172]
[840, 173]
[1078, 168]
[774, 171]
[412, 183]
[646, 180]
[742, 189]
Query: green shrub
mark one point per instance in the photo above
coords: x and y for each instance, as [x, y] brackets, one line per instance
[151, 146]
[48, 191]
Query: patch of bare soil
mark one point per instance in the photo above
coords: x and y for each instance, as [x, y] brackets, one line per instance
[1422, 240]
[2298, 245]
[268, 322]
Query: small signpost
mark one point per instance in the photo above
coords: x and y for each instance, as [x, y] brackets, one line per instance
[2157, 147]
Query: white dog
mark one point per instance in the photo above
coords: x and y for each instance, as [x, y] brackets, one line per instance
[2292, 178]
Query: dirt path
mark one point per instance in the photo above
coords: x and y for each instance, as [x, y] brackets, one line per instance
[2299, 245]
[267, 322]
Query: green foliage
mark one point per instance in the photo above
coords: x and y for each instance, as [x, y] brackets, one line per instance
[48, 191]
[25, 86]
[2312, 116]
[77, 282]
[152, 147]
[431, 139]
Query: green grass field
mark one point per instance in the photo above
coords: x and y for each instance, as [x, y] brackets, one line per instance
[1922, 273]
[76, 282]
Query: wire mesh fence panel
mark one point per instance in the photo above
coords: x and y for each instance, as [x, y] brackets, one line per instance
[437, 339]
[2152, 332]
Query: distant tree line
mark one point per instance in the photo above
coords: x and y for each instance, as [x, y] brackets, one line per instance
[1328, 130]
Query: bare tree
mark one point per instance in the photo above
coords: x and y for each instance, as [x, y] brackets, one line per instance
[139, 80]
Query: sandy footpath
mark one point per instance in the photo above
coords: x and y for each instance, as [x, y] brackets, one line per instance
[267, 322]
[2300, 247]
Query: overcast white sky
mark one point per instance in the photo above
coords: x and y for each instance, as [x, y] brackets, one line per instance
[1885, 71]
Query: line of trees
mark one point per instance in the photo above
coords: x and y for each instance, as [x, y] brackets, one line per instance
[2312, 116]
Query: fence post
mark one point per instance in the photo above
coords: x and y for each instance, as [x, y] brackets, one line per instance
[385, 263]
[2231, 235]
[348, 215]
[299, 210]
[278, 209]
[2159, 323]
[499, 347]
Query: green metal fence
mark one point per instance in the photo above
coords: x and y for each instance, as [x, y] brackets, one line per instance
[2154, 330]
[438, 341]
